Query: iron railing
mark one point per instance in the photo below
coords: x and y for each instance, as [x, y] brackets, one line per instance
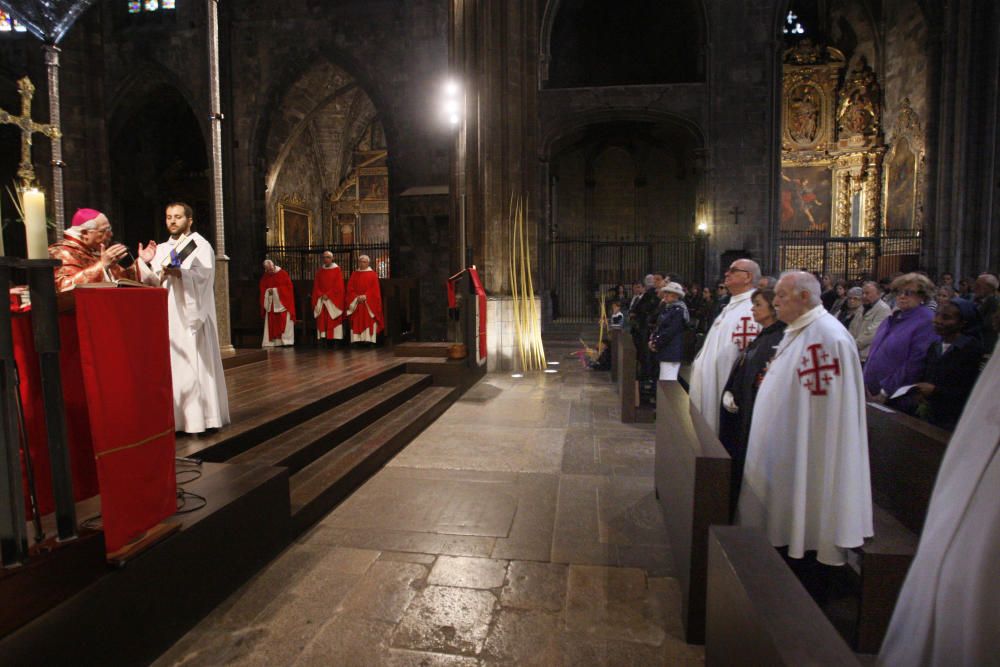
[581, 270]
[850, 258]
[301, 262]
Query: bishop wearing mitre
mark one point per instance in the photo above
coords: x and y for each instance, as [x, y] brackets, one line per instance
[364, 303]
[87, 254]
[328, 300]
[277, 305]
[731, 332]
[806, 481]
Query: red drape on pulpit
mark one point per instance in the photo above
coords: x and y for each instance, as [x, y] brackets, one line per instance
[115, 358]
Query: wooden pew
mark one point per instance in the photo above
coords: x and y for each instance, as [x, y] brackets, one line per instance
[691, 478]
[904, 456]
[615, 336]
[627, 385]
[757, 611]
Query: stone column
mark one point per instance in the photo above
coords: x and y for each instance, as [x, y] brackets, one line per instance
[58, 205]
[221, 259]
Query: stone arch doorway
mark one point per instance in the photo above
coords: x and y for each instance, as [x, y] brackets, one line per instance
[327, 174]
[158, 155]
[624, 197]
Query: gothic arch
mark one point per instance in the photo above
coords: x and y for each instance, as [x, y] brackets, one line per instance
[551, 11]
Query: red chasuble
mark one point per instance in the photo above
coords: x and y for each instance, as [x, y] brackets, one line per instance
[366, 317]
[329, 312]
[276, 322]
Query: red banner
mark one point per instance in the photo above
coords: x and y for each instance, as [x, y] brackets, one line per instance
[125, 359]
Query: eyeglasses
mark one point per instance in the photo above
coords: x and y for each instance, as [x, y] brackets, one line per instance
[732, 269]
[907, 292]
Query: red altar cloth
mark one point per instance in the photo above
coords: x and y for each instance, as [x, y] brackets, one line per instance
[115, 358]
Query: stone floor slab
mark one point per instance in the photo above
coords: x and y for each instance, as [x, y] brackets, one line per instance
[612, 604]
[525, 638]
[385, 591]
[464, 572]
[446, 620]
[529, 585]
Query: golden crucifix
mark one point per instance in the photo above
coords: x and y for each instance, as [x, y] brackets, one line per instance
[26, 172]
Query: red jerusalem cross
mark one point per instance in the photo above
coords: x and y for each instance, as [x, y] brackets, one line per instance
[744, 333]
[816, 370]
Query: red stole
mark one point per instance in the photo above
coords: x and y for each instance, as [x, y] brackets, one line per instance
[276, 321]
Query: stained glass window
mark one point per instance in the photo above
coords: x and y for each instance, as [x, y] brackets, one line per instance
[149, 6]
[8, 24]
[793, 26]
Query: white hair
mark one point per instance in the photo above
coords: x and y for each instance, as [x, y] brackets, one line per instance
[649, 280]
[873, 284]
[361, 257]
[805, 282]
[267, 261]
[754, 270]
[990, 280]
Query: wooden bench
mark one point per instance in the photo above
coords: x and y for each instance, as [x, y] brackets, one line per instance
[904, 456]
[627, 385]
[691, 478]
[757, 611]
[615, 336]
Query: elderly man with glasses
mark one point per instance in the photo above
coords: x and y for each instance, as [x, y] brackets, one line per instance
[731, 332]
[88, 256]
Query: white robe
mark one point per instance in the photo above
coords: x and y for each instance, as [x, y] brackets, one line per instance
[200, 397]
[730, 334]
[324, 303]
[806, 480]
[948, 609]
[272, 304]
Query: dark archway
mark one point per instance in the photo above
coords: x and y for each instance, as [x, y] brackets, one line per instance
[597, 43]
[158, 155]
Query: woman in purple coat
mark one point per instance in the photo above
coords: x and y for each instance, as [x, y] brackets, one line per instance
[899, 349]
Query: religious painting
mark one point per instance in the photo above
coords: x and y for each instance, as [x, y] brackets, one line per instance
[346, 229]
[373, 187]
[806, 193]
[900, 188]
[294, 222]
[804, 113]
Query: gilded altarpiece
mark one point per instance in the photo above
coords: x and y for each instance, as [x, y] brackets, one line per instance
[832, 160]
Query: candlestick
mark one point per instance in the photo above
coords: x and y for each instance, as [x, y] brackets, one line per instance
[33, 201]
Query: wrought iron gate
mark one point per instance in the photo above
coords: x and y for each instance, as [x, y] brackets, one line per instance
[580, 270]
[849, 258]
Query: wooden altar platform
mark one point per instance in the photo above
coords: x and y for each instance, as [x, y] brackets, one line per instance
[308, 426]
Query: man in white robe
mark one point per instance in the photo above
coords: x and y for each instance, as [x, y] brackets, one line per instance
[806, 480]
[200, 398]
[733, 330]
[948, 609]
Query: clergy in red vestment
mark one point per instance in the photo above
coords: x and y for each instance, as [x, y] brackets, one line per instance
[364, 303]
[277, 305]
[87, 254]
[328, 300]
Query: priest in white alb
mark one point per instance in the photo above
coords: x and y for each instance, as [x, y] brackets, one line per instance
[806, 480]
[948, 609]
[733, 330]
[201, 401]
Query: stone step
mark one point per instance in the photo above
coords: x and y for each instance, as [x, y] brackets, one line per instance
[305, 442]
[318, 487]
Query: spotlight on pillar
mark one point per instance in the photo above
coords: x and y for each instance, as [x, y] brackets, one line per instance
[703, 228]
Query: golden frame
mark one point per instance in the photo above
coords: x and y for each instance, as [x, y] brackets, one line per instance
[293, 206]
[907, 132]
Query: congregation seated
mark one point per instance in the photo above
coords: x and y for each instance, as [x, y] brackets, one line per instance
[851, 308]
[987, 304]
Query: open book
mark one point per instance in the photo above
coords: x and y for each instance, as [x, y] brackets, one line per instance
[182, 250]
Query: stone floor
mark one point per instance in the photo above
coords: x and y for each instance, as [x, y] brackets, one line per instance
[519, 529]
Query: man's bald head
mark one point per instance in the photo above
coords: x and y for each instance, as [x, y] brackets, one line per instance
[742, 276]
[268, 266]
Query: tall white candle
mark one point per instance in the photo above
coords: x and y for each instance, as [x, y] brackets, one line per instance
[34, 224]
